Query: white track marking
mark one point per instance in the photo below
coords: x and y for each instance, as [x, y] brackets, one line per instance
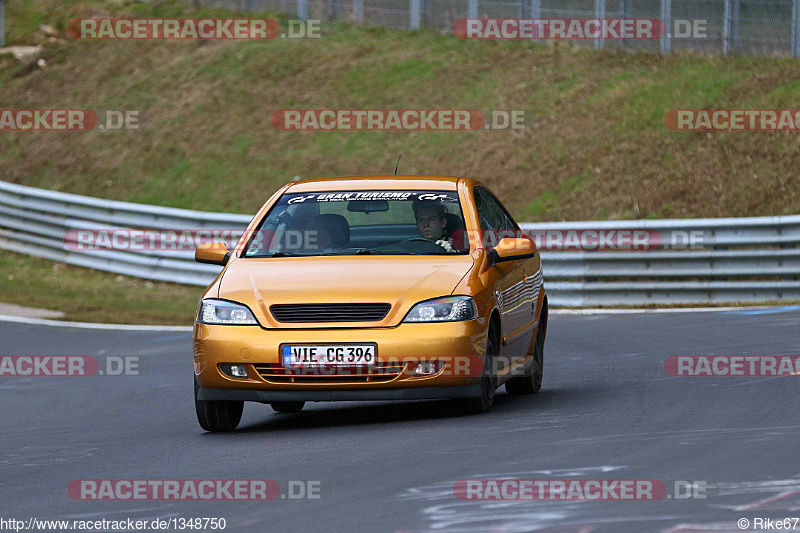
[90, 325]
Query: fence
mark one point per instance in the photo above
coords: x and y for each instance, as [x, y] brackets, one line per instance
[751, 27]
[729, 260]
[2, 23]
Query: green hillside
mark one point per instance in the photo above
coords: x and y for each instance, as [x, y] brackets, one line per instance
[596, 146]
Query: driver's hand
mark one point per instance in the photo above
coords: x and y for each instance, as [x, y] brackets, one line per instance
[446, 245]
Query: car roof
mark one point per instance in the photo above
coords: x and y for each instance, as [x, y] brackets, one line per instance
[439, 183]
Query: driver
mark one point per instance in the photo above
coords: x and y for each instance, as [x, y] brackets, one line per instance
[431, 222]
[317, 235]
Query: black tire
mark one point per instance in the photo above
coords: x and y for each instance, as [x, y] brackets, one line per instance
[287, 407]
[217, 415]
[485, 401]
[531, 381]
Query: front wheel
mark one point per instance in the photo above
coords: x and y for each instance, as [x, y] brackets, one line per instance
[217, 415]
[485, 401]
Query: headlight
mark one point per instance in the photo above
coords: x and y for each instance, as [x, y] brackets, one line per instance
[448, 309]
[222, 312]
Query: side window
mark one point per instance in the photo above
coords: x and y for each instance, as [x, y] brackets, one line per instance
[491, 218]
[487, 214]
[499, 223]
[507, 222]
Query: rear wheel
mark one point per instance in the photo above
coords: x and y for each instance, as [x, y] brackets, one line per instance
[217, 415]
[287, 407]
[484, 402]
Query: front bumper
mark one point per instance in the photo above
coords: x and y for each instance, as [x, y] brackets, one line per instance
[256, 348]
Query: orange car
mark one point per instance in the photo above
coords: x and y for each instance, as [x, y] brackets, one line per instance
[370, 288]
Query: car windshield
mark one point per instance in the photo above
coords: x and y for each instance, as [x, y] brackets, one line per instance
[362, 222]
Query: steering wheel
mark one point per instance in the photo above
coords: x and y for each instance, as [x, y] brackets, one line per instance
[423, 239]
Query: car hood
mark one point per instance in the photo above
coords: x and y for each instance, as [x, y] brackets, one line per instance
[400, 281]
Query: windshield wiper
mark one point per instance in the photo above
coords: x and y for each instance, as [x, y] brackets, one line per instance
[371, 251]
[361, 251]
[368, 251]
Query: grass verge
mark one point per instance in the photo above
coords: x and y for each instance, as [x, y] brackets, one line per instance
[91, 296]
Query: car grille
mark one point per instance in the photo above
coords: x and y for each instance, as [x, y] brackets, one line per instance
[329, 312]
[381, 372]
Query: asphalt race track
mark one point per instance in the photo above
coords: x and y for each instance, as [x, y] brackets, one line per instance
[608, 409]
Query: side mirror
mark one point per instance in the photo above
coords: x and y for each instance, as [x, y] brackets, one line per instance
[509, 249]
[212, 253]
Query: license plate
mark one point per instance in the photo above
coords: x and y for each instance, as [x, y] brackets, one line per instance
[328, 355]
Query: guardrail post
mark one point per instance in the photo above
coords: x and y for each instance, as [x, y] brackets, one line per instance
[302, 9]
[795, 28]
[472, 9]
[730, 27]
[735, 25]
[2, 22]
[536, 11]
[599, 13]
[358, 10]
[666, 23]
[414, 15]
[625, 10]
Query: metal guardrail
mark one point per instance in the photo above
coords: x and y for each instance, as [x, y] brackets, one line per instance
[754, 259]
[36, 221]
